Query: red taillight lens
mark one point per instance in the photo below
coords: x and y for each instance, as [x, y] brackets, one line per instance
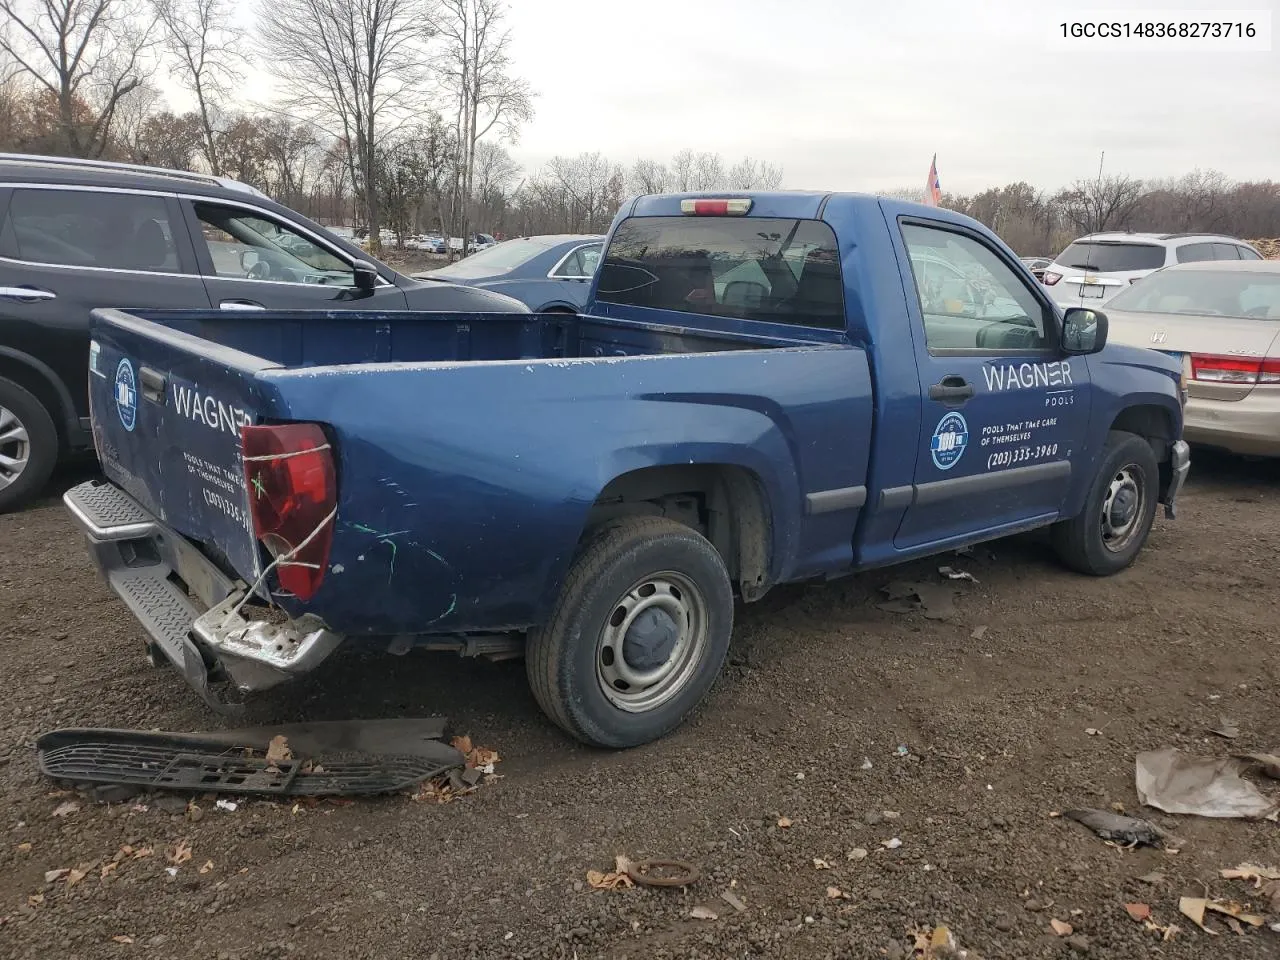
[293, 492]
[1050, 278]
[1208, 368]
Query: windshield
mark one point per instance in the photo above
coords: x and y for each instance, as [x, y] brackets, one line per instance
[495, 261]
[1204, 293]
[1111, 256]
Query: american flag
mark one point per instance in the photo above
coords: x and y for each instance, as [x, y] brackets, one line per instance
[933, 189]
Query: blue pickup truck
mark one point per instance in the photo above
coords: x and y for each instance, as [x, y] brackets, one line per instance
[764, 388]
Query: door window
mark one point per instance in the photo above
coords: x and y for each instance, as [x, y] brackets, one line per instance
[580, 264]
[90, 228]
[1195, 252]
[971, 299]
[246, 246]
[1226, 251]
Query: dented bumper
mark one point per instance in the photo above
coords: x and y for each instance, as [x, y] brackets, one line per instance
[189, 608]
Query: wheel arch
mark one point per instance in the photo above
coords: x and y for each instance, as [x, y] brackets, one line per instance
[39, 380]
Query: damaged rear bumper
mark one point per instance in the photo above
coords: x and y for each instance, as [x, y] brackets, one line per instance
[187, 604]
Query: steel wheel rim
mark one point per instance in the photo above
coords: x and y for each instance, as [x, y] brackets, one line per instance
[637, 690]
[15, 447]
[1123, 507]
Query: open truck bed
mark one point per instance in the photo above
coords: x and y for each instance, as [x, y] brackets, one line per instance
[466, 452]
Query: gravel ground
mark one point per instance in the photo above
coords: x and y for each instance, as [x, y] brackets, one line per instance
[821, 682]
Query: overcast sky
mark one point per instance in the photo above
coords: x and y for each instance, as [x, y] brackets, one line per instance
[856, 95]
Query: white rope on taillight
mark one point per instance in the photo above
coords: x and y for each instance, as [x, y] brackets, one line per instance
[285, 558]
[285, 456]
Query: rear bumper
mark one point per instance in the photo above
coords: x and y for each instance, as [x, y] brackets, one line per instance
[1179, 467]
[1250, 426]
[186, 604]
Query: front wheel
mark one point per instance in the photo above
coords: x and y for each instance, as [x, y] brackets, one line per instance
[1113, 526]
[637, 636]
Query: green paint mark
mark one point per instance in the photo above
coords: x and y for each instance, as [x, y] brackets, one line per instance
[258, 487]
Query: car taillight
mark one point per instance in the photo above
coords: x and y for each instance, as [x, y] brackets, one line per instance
[1209, 368]
[1050, 278]
[293, 495]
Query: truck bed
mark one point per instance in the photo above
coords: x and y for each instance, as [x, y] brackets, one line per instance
[298, 339]
[470, 449]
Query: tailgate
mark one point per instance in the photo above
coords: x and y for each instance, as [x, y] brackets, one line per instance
[167, 408]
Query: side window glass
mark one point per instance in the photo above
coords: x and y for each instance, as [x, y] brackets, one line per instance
[1247, 254]
[970, 299]
[1226, 251]
[582, 263]
[90, 228]
[1195, 252]
[245, 246]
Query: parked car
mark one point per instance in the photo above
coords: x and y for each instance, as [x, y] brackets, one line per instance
[479, 241]
[549, 273]
[1037, 265]
[592, 490]
[1093, 269]
[1221, 320]
[78, 234]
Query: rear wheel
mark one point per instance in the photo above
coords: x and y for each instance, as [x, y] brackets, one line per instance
[1118, 514]
[28, 445]
[637, 636]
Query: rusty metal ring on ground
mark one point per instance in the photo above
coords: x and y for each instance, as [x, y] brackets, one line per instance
[685, 873]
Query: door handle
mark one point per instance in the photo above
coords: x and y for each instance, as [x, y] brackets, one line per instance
[27, 294]
[240, 305]
[951, 389]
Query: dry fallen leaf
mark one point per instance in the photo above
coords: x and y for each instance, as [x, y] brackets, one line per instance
[142, 852]
[278, 750]
[1249, 871]
[784, 822]
[35, 899]
[122, 939]
[108, 869]
[208, 865]
[1165, 933]
[820, 864]
[1232, 909]
[78, 874]
[24, 848]
[1225, 729]
[1138, 911]
[618, 878]
[1060, 928]
[1092, 731]
[1235, 927]
[52, 876]
[462, 744]
[63, 809]
[179, 852]
[1269, 763]
[703, 913]
[1193, 909]
[857, 853]
[892, 844]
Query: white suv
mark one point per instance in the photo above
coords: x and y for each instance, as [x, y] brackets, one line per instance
[1095, 268]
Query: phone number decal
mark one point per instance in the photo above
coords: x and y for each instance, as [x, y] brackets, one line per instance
[1029, 454]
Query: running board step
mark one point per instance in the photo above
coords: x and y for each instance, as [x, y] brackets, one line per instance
[217, 763]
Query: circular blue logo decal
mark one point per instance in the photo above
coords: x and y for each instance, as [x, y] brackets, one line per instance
[949, 441]
[126, 395]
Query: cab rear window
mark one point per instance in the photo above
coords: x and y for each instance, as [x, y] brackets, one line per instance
[750, 268]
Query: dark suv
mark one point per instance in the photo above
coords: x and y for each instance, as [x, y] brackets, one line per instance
[79, 234]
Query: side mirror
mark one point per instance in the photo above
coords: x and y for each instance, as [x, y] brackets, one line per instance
[1083, 331]
[366, 275]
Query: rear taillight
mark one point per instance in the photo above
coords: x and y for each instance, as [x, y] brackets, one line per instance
[293, 494]
[1209, 368]
[1050, 278]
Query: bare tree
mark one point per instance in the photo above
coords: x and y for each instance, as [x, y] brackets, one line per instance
[208, 51]
[648, 177]
[750, 174]
[1096, 205]
[86, 54]
[475, 70]
[352, 66]
[132, 113]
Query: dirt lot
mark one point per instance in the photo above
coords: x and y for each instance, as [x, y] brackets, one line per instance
[821, 679]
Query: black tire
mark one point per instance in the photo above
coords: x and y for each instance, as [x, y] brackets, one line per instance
[1082, 543]
[40, 447]
[605, 592]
